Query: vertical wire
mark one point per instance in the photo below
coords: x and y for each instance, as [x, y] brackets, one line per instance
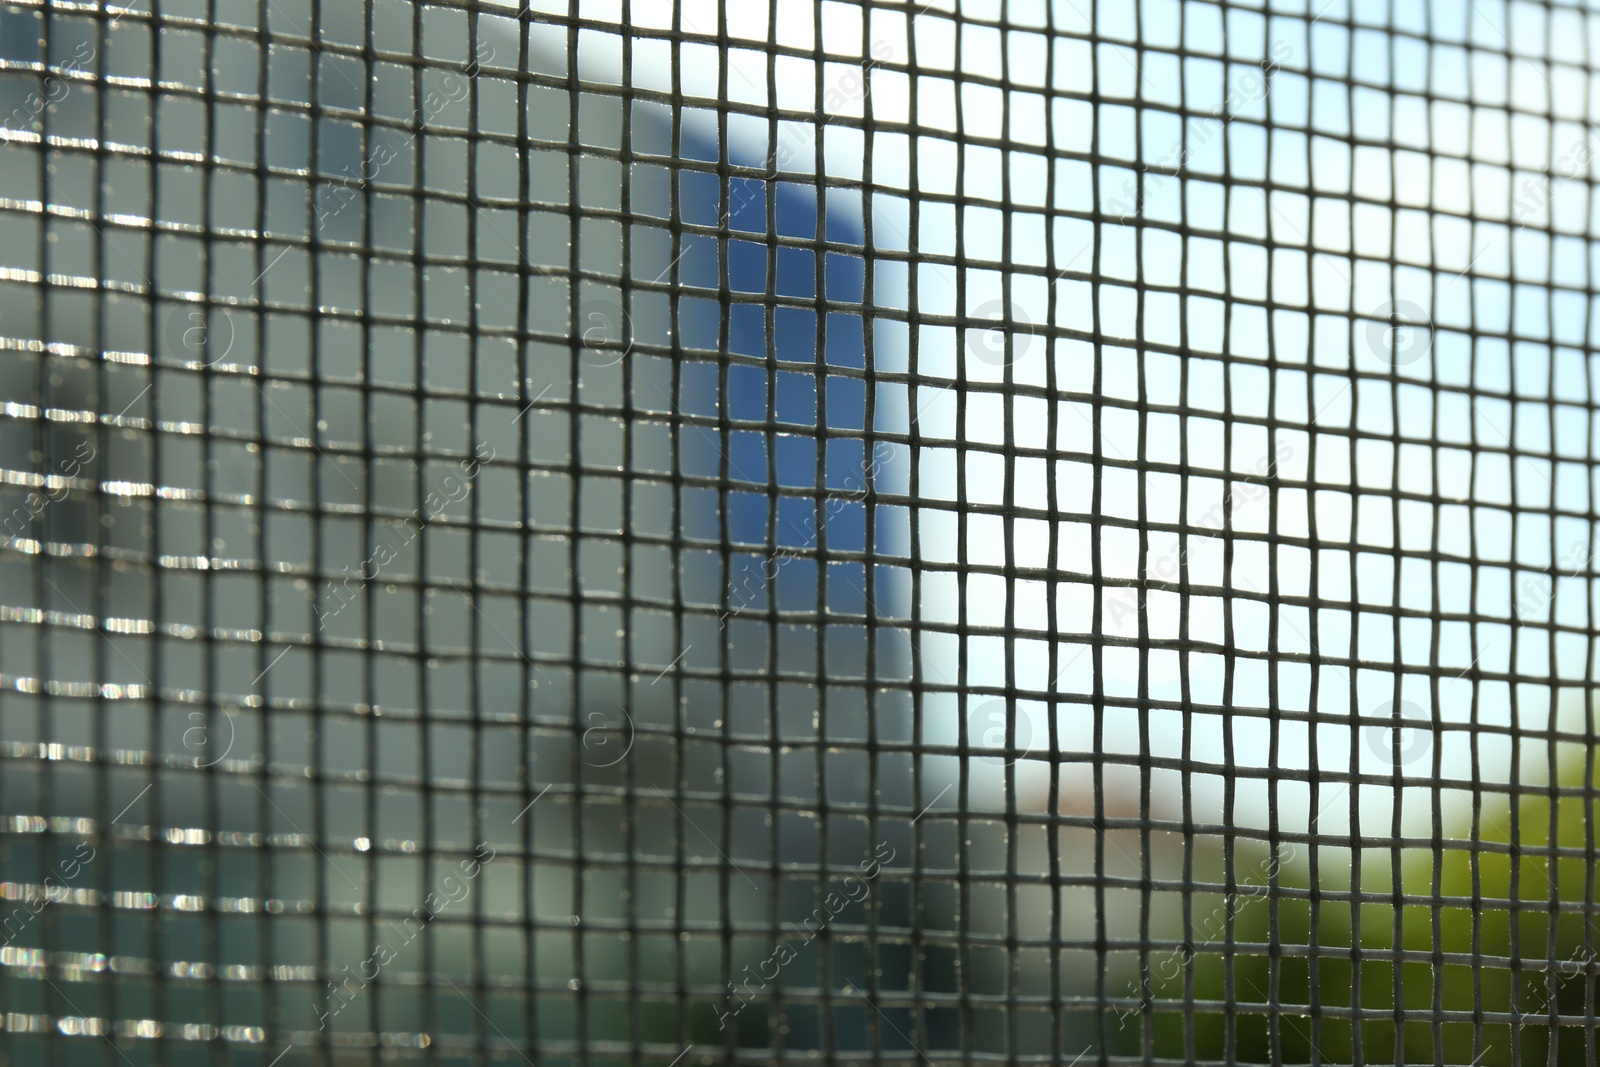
[680, 731]
[1230, 941]
[1436, 926]
[1590, 741]
[1476, 851]
[1053, 817]
[209, 786]
[1435, 644]
[373, 1010]
[1474, 736]
[1314, 835]
[1009, 763]
[1553, 664]
[104, 598]
[476, 711]
[916, 937]
[1225, 533]
[724, 442]
[778, 1022]
[1358, 878]
[819, 445]
[1097, 624]
[963, 569]
[772, 625]
[1274, 776]
[575, 517]
[158, 672]
[323, 903]
[527, 732]
[1397, 704]
[429, 1014]
[1514, 788]
[41, 707]
[874, 724]
[1141, 590]
[259, 703]
[1186, 744]
[45, 652]
[1185, 635]
[1315, 580]
[628, 682]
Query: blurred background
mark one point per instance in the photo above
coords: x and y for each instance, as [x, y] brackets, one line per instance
[659, 533]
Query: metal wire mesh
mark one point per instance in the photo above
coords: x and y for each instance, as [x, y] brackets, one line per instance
[1028, 531]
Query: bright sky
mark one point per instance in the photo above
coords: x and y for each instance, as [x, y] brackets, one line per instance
[1328, 252]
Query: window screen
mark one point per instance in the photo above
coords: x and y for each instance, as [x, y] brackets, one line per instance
[1011, 531]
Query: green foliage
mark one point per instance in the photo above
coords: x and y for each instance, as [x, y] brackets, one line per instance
[1292, 968]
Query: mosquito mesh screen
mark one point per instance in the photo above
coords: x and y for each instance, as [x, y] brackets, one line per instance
[1021, 531]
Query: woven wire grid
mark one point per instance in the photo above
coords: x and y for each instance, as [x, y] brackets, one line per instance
[1012, 532]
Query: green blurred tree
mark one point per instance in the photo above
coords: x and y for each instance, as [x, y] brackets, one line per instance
[1289, 970]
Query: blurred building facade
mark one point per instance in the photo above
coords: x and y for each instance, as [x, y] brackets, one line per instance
[360, 509]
